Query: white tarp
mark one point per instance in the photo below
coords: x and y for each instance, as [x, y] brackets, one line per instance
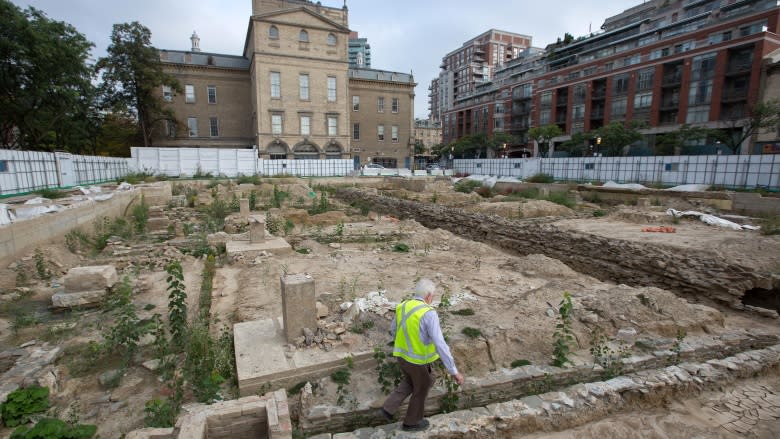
[6, 216]
[629, 186]
[690, 188]
[711, 219]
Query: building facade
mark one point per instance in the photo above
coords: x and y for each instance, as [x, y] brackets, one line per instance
[359, 52]
[662, 63]
[290, 95]
[427, 133]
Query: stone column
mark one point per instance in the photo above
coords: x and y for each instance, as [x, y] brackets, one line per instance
[256, 229]
[243, 205]
[298, 305]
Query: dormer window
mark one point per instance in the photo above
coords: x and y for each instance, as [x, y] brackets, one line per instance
[273, 33]
[331, 40]
[303, 36]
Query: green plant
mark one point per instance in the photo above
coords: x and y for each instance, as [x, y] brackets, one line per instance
[140, 216]
[50, 428]
[520, 363]
[656, 201]
[471, 332]
[449, 402]
[274, 224]
[22, 403]
[563, 335]
[187, 228]
[466, 186]
[248, 179]
[84, 359]
[463, 312]
[434, 198]
[611, 360]
[124, 336]
[541, 178]
[252, 200]
[321, 207]
[303, 251]
[76, 240]
[51, 194]
[159, 413]
[41, 266]
[342, 378]
[21, 277]
[770, 226]
[22, 318]
[289, 226]
[177, 304]
[279, 197]
[339, 232]
[562, 199]
[677, 347]
[401, 248]
[599, 213]
[389, 372]
[361, 327]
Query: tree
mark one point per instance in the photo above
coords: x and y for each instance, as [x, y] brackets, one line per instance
[543, 135]
[761, 117]
[419, 147]
[667, 142]
[45, 82]
[132, 76]
[614, 136]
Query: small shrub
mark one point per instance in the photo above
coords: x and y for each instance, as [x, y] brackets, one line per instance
[22, 403]
[51, 194]
[484, 192]
[303, 251]
[463, 312]
[389, 372]
[41, 267]
[471, 332]
[564, 335]
[541, 178]
[249, 179]
[401, 248]
[362, 327]
[140, 215]
[599, 213]
[159, 413]
[562, 199]
[771, 226]
[296, 389]
[466, 186]
[50, 428]
[520, 363]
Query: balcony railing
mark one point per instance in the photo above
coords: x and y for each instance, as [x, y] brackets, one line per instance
[597, 114]
[738, 67]
[672, 79]
[670, 104]
[598, 94]
[735, 94]
[561, 102]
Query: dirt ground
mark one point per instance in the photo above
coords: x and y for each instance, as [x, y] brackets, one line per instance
[514, 299]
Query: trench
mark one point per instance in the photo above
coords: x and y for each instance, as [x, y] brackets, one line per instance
[696, 276]
[763, 298]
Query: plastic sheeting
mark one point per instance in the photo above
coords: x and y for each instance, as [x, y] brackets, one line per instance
[6, 216]
[711, 219]
[629, 186]
[690, 188]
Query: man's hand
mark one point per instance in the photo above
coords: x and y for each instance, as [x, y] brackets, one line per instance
[459, 379]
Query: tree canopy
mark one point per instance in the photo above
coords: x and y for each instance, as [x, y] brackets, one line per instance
[543, 135]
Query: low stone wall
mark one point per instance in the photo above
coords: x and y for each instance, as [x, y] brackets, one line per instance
[583, 403]
[508, 384]
[751, 203]
[631, 263]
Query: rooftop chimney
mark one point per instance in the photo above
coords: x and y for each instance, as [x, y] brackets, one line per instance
[195, 42]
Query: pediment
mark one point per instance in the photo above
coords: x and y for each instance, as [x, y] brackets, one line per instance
[301, 17]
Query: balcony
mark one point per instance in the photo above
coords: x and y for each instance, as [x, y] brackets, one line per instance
[738, 68]
[520, 125]
[597, 114]
[598, 95]
[562, 101]
[671, 79]
[670, 104]
[734, 94]
[560, 119]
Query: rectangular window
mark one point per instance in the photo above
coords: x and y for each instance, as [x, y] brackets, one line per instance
[620, 84]
[700, 93]
[394, 133]
[276, 124]
[170, 128]
[303, 87]
[547, 99]
[331, 89]
[619, 108]
[380, 104]
[355, 131]
[305, 125]
[643, 100]
[276, 85]
[646, 79]
[189, 94]
[212, 93]
[590, 166]
[698, 114]
[192, 125]
[167, 93]
[544, 117]
[355, 103]
[395, 105]
[3, 166]
[333, 126]
[380, 133]
[213, 127]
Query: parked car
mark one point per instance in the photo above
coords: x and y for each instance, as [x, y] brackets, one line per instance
[431, 167]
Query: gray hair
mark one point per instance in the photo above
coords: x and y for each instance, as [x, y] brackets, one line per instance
[424, 287]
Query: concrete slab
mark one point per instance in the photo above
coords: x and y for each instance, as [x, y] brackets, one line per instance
[273, 245]
[261, 360]
[71, 300]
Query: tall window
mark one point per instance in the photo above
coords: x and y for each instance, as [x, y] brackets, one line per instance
[273, 33]
[643, 100]
[305, 125]
[192, 126]
[355, 131]
[167, 93]
[331, 40]
[212, 93]
[380, 104]
[331, 89]
[303, 36]
[646, 79]
[276, 85]
[170, 126]
[620, 84]
[213, 127]
[189, 94]
[380, 133]
[394, 133]
[619, 107]
[333, 126]
[303, 87]
[276, 124]
[395, 105]
[355, 103]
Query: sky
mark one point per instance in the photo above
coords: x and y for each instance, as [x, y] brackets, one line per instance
[405, 35]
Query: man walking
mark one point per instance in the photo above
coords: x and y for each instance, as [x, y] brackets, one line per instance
[418, 343]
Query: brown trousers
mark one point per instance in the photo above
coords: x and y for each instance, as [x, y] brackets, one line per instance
[417, 381]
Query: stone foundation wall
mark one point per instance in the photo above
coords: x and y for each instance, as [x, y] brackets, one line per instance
[637, 264]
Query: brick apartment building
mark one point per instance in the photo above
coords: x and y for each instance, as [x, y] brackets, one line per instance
[291, 94]
[664, 63]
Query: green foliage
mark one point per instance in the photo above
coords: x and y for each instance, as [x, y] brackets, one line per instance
[564, 335]
[599, 213]
[322, 206]
[252, 200]
[463, 312]
[484, 192]
[541, 178]
[50, 428]
[159, 413]
[604, 355]
[543, 135]
[361, 205]
[140, 216]
[401, 248]
[449, 402]
[471, 332]
[216, 214]
[41, 266]
[770, 226]
[466, 185]
[274, 224]
[520, 363]
[22, 403]
[342, 379]
[177, 304]
[84, 359]
[677, 347]
[289, 226]
[361, 327]
[279, 197]
[123, 337]
[303, 251]
[562, 199]
[248, 179]
[389, 372]
[51, 194]
[339, 232]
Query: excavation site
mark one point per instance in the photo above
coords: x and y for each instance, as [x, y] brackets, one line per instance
[260, 307]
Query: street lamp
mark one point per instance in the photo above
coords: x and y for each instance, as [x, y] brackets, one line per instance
[505, 156]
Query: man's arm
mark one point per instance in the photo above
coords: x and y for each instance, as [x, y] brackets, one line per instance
[430, 324]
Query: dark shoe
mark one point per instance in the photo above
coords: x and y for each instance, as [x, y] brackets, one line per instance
[386, 415]
[423, 425]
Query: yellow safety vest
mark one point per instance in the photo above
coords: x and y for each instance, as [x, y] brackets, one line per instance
[408, 344]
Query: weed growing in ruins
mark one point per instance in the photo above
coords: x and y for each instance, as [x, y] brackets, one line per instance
[339, 232]
[140, 216]
[321, 207]
[22, 319]
[76, 241]
[434, 198]
[361, 327]
[563, 336]
[466, 186]
[599, 213]
[463, 312]
[123, 337]
[177, 304]
[187, 228]
[562, 199]
[162, 348]
[278, 197]
[541, 178]
[677, 347]
[471, 332]
[41, 266]
[341, 377]
[252, 200]
[235, 204]
[159, 413]
[520, 363]
[289, 226]
[274, 224]
[21, 404]
[216, 213]
[200, 364]
[84, 359]
[605, 356]
[389, 372]
[401, 248]
[21, 277]
[449, 402]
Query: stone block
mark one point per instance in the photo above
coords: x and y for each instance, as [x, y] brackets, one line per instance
[72, 300]
[257, 233]
[243, 207]
[298, 305]
[643, 202]
[157, 224]
[98, 277]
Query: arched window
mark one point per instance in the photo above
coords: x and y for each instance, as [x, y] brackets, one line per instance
[277, 151]
[306, 151]
[331, 40]
[333, 151]
[303, 37]
[273, 33]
